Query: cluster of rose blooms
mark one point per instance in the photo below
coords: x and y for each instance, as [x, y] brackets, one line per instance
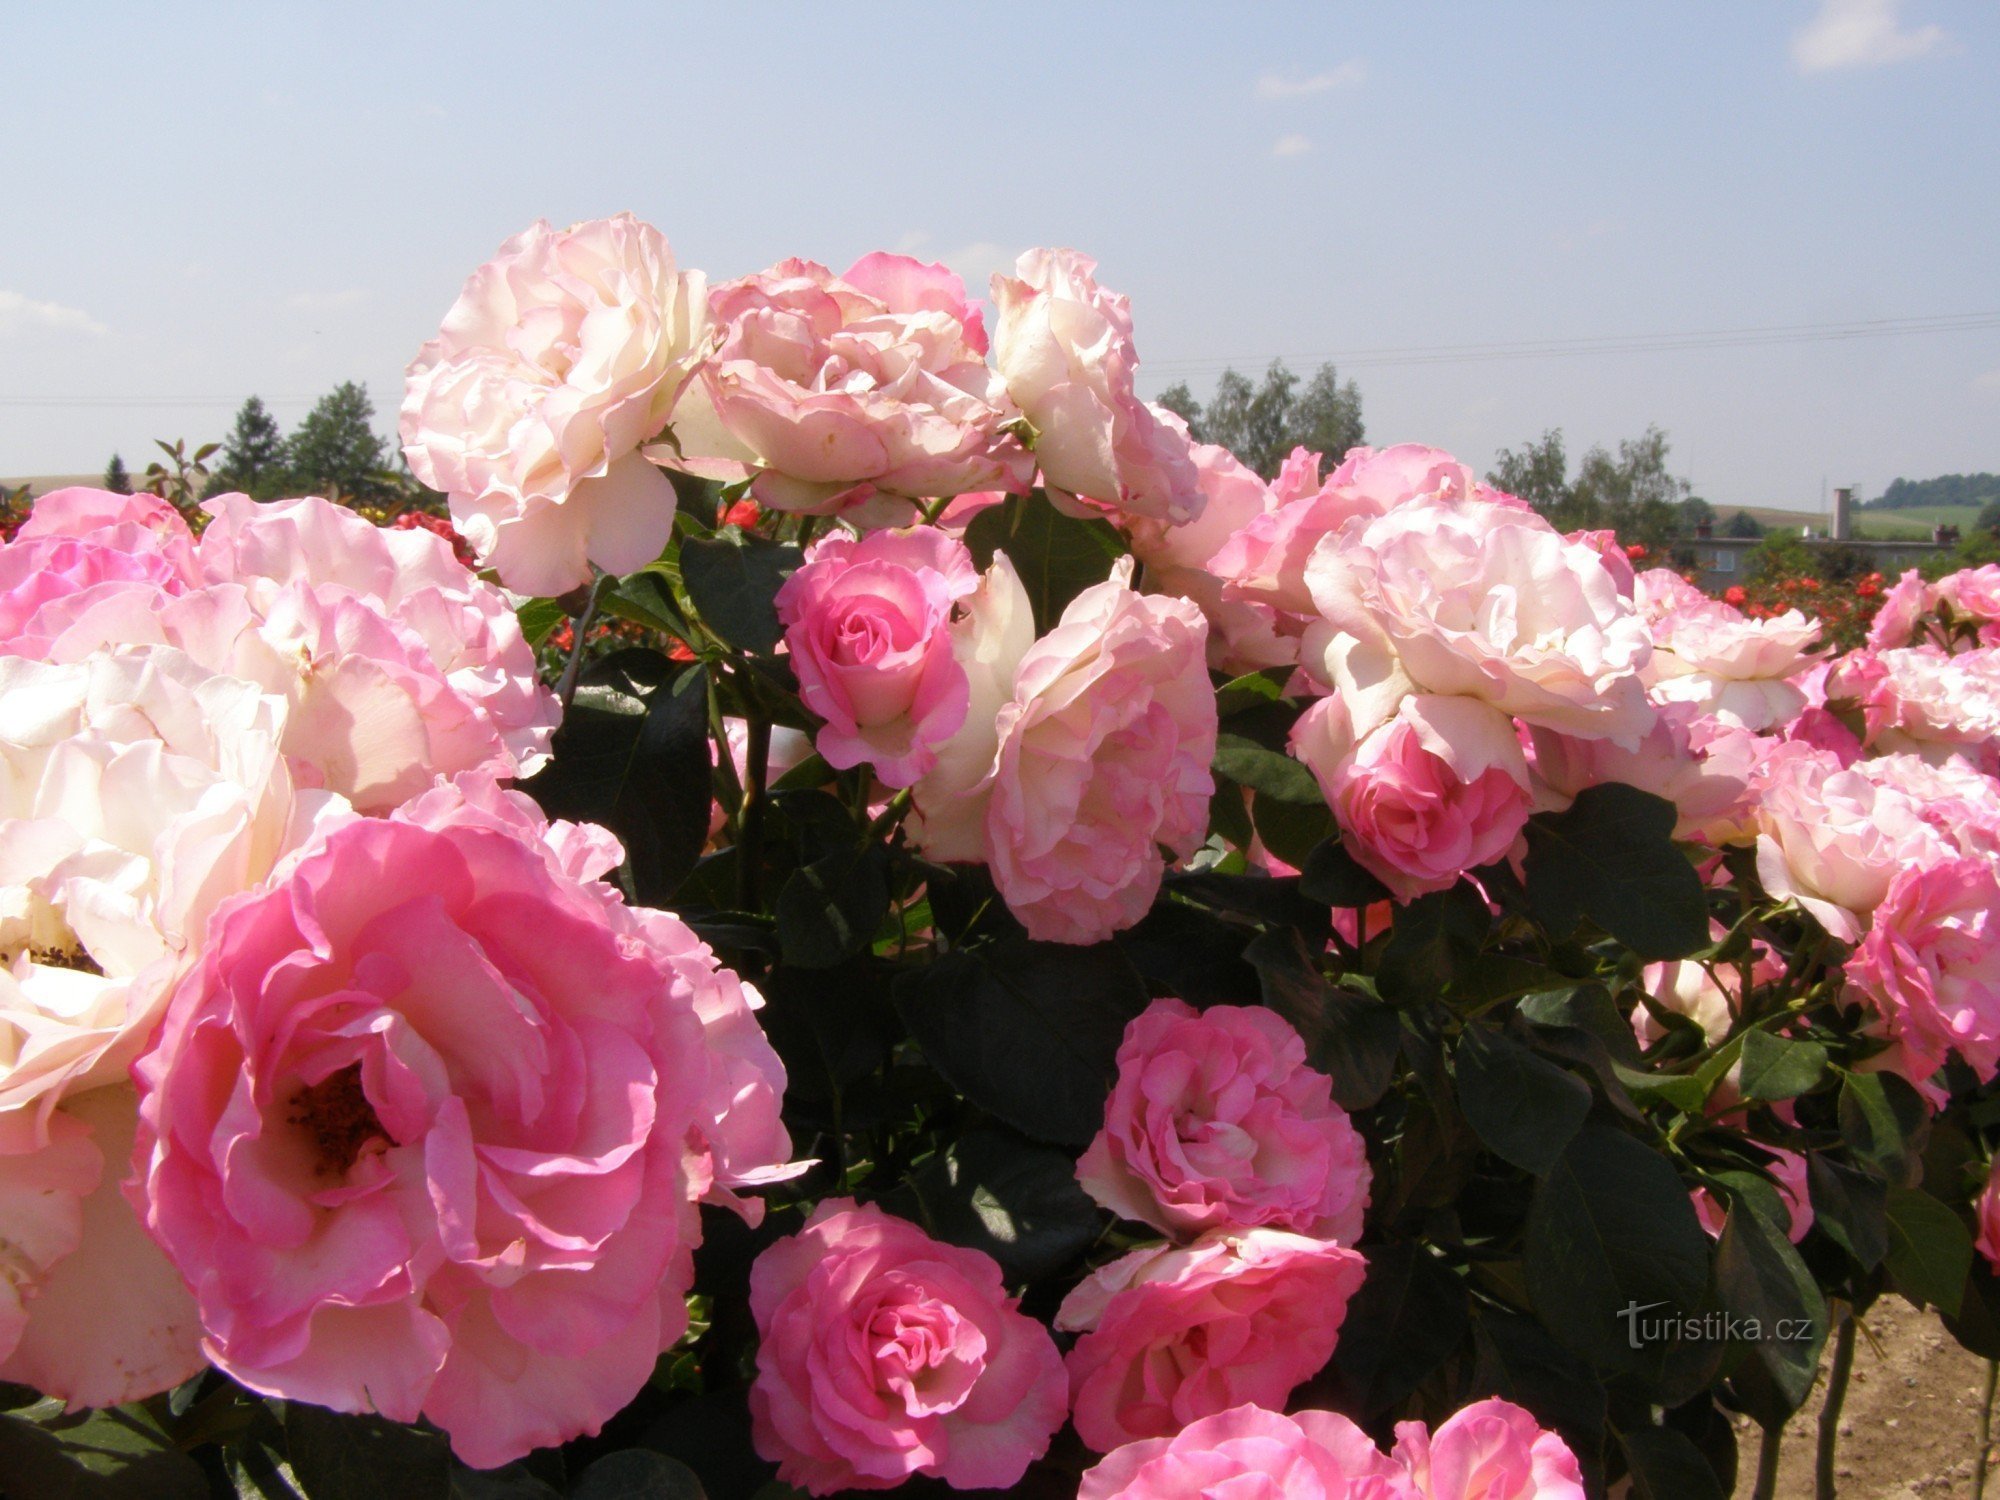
[325, 1058]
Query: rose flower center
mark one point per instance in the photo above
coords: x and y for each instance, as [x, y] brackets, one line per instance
[338, 1119]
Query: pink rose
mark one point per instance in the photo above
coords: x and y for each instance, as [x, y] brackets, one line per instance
[1925, 700]
[1731, 666]
[1987, 1212]
[868, 626]
[1098, 758]
[1699, 764]
[1439, 788]
[1266, 560]
[1660, 593]
[1243, 636]
[1216, 1122]
[1897, 622]
[1483, 600]
[1607, 546]
[1794, 1196]
[1171, 1335]
[1255, 1454]
[1930, 963]
[883, 1353]
[1958, 801]
[561, 356]
[1490, 1450]
[834, 394]
[1064, 350]
[79, 546]
[428, 1121]
[1832, 839]
[397, 664]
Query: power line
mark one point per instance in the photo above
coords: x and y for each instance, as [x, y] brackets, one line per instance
[1641, 343]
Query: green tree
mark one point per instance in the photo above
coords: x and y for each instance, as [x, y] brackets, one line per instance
[1630, 492]
[1262, 424]
[1538, 473]
[1696, 511]
[336, 450]
[253, 455]
[116, 479]
[1743, 524]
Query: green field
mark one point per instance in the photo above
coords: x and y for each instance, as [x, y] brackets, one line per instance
[1915, 522]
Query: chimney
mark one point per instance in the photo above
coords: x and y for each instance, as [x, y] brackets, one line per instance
[1843, 504]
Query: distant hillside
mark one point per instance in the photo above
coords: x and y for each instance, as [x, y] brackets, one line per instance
[1947, 489]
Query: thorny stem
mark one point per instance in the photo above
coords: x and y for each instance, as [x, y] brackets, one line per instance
[566, 688]
[1767, 1462]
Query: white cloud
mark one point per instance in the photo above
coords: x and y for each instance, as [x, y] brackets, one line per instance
[976, 264]
[1860, 34]
[18, 313]
[1292, 145]
[1278, 86]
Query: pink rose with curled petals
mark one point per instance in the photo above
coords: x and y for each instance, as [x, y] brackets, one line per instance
[1097, 757]
[1794, 1197]
[428, 1124]
[1243, 636]
[1437, 789]
[868, 626]
[80, 546]
[562, 355]
[1607, 546]
[396, 663]
[1171, 1335]
[1899, 619]
[1698, 763]
[1255, 1454]
[1957, 800]
[884, 1353]
[1266, 560]
[1217, 1122]
[1731, 666]
[1660, 593]
[1986, 1211]
[1930, 963]
[1482, 600]
[1831, 839]
[1925, 701]
[855, 394]
[1490, 1450]
[1064, 349]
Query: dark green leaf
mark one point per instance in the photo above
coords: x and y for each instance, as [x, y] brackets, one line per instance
[1666, 1465]
[1027, 1030]
[637, 1474]
[1977, 1324]
[732, 579]
[832, 907]
[1191, 953]
[1583, 1007]
[1408, 1318]
[1270, 772]
[644, 599]
[1930, 1250]
[1761, 1279]
[809, 774]
[1290, 830]
[1517, 1360]
[1851, 1207]
[1350, 1038]
[1883, 1121]
[1434, 938]
[1229, 813]
[364, 1458]
[1612, 1238]
[514, 1482]
[1611, 858]
[1775, 1067]
[118, 1453]
[539, 618]
[1056, 556]
[1251, 690]
[632, 754]
[1524, 1107]
[1332, 877]
[1017, 1201]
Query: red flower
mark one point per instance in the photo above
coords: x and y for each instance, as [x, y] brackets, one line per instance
[1734, 595]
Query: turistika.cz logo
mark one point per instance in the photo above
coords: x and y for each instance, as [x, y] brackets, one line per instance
[1643, 1326]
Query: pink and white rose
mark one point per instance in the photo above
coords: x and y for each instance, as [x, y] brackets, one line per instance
[1063, 345]
[1217, 1122]
[848, 395]
[884, 1353]
[1930, 963]
[562, 355]
[1730, 666]
[79, 546]
[428, 1124]
[1490, 1450]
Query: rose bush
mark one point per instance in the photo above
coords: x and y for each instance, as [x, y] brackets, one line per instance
[946, 935]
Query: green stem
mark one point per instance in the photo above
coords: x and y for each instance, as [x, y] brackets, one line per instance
[1829, 1412]
[750, 825]
[566, 689]
[1767, 1462]
[892, 814]
[1985, 1430]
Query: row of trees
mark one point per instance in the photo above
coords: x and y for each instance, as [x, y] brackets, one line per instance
[1262, 424]
[1946, 489]
[334, 451]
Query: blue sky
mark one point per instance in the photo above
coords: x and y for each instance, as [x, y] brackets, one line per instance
[199, 203]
